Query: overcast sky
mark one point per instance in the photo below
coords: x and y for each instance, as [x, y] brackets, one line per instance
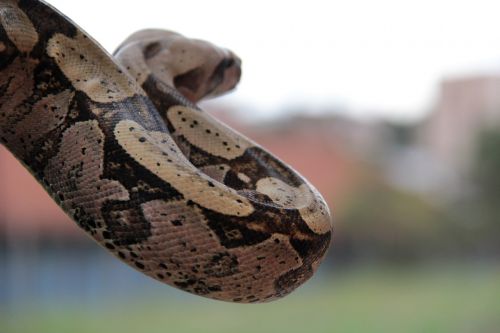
[368, 57]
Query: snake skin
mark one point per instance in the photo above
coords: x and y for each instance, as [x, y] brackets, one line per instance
[121, 146]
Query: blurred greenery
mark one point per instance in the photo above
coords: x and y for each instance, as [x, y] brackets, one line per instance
[382, 223]
[478, 212]
[486, 175]
[386, 224]
[487, 165]
[460, 298]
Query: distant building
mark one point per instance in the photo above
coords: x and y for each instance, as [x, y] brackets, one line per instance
[464, 108]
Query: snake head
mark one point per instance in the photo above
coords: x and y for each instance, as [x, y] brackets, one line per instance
[196, 68]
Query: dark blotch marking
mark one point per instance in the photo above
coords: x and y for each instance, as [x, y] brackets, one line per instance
[190, 80]
[177, 223]
[221, 264]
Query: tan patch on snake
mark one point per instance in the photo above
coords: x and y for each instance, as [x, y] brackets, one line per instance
[158, 152]
[75, 172]
[244, 178]
[18, 26]
[90, 69]
[2, 47]
[206, 133]
[186, 253]
[132, 59]
[301, 198]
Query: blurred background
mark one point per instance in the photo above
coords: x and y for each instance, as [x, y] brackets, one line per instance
[390, 108]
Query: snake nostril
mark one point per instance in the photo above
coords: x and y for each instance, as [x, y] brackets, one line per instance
[228, 62]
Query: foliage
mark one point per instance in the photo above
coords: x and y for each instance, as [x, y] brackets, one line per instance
[480, 212]
[486, 170]
[383, 223]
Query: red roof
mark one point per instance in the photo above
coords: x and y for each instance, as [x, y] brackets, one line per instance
[26, 208]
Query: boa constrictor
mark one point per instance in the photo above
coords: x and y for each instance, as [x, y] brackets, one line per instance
[121, 146]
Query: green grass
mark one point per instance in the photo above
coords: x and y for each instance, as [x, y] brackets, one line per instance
[457, 299]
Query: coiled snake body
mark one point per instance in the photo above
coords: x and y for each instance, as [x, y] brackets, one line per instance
[122, 147]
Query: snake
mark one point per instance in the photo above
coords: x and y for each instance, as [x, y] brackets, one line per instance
[121, 145]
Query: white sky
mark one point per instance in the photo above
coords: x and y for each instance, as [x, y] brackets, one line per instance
[371, 58]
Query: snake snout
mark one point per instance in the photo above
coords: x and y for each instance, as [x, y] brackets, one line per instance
[225, 76]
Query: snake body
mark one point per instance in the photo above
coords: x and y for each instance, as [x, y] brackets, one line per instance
[121, 146]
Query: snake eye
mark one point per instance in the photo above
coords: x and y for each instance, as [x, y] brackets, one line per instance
[151, 50]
